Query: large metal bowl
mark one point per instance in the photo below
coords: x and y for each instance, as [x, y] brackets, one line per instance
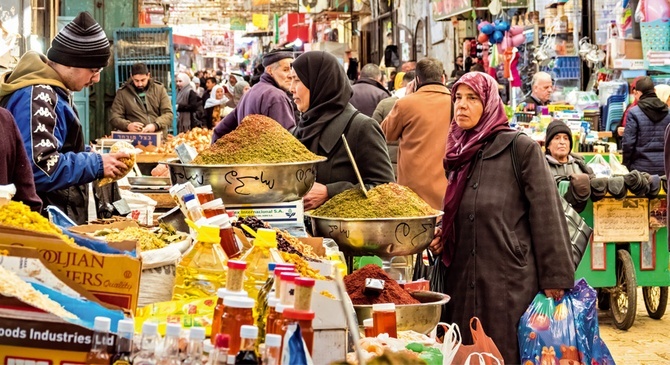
[421, 317]
[249, 184]
[385, 237]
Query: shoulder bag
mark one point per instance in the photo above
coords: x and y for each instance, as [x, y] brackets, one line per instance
[579, 231]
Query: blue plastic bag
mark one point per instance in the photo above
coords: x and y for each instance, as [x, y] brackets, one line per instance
[553, 333]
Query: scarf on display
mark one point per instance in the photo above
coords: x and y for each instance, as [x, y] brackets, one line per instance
[213, 101]
[329, 94]
[653, 107]
[462, 147]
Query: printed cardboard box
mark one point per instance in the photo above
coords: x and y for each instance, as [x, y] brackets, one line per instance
[113, 279]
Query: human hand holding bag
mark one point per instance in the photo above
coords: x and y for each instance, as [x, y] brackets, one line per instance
[483, 344]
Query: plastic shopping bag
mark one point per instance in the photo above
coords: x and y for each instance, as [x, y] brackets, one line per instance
[553, 332]
[616, 166]
[599, 166]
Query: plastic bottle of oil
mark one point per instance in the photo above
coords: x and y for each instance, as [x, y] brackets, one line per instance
[257, 259]
[202, 270]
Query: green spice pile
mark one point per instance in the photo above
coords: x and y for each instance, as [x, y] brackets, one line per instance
[384, 201]
[257, 140]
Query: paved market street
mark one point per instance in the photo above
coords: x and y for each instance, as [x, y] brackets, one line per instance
[646, 342]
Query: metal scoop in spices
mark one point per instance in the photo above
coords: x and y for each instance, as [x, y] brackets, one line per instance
[374, 286]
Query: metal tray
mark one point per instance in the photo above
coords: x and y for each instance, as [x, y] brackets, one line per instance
[149, 181]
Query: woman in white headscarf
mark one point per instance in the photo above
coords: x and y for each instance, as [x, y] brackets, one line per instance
[188, 104]
[214, 106]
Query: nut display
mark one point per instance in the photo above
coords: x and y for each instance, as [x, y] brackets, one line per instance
[198, 138]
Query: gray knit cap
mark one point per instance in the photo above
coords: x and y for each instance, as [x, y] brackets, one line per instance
[81, 43]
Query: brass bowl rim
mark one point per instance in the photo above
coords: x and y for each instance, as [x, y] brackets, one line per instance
[174, 162]
[444, 298]
[438, 214]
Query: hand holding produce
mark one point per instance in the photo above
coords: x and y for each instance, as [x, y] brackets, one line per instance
[118, 162]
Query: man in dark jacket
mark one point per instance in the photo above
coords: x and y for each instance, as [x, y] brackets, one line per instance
[567, 166]
[141, 104]
[268, 97]
[368, 90]
[38, 94]
[645, 130]
[15, 164]
[541, 90]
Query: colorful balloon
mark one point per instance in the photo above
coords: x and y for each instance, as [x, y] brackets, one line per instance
[481, 24]
[488, 29]
[517, 29]
[482, 38]
[497, 37]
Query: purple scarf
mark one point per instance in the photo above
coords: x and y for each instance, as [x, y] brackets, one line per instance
[463, 145]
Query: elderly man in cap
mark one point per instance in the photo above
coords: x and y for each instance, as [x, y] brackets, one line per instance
[567, 166]
[268, 97]
[38, 94]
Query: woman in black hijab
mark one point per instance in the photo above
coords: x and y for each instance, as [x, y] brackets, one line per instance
[321, 90]
[645, 130]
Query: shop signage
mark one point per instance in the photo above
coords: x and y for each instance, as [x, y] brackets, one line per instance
[238, 23]
[621, 220]
[260, 21]
[444, 9]
[217, 41]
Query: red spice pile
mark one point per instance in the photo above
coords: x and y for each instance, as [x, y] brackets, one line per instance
[392, 293]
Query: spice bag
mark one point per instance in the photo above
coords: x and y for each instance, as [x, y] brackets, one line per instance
[551, 332]
[159, 268]
[483, 344]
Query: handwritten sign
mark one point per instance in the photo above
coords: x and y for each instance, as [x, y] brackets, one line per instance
[621, 220]
[144, 139]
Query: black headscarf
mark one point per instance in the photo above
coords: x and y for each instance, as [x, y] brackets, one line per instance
[329, 93]
[653, 107]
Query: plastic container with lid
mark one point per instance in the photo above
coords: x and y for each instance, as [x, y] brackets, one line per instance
[235, 279]
[368, 328]
[304, 319]
[287, 287]
[384, 319]
[204, 193]
[272, 349]
[222, 293]
[227, 237]
[303, 294]
[247, 354]
[201, 271]
[277, 278]
[213, 208]
[237, 311]
[194, 210]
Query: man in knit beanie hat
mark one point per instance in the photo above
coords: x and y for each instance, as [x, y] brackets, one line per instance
[567, 166]
[38, 93]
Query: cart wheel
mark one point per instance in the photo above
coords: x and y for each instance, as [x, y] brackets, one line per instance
[655, 300]
[603, 300]
[623, 297]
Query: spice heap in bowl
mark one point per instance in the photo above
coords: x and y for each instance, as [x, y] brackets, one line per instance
[259, 162]
[392, 221]
[418, 311]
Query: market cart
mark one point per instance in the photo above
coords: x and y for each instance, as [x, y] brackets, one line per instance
[629, 248]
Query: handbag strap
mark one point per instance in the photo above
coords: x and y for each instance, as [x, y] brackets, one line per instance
[515, 162]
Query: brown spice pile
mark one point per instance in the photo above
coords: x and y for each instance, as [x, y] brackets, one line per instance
[384, 201]
[392, 293]
[257, 140]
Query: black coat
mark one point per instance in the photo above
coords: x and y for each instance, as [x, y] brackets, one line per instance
[368, 145]
[643, 142]
[367, 94]
[509, 244]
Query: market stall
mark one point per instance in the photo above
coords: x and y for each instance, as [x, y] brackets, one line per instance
[232, 277]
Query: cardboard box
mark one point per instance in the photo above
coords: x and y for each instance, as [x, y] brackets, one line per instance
[143, 139]
[113, 279]
[630, 48]
[41, 339]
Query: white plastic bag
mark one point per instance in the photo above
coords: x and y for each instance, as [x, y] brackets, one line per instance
[479, 358]
[452, 341]
[616, 166]
[140, 203]
[599, 166]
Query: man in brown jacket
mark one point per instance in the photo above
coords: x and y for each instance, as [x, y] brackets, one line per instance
[420, 122]
[141, 104]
